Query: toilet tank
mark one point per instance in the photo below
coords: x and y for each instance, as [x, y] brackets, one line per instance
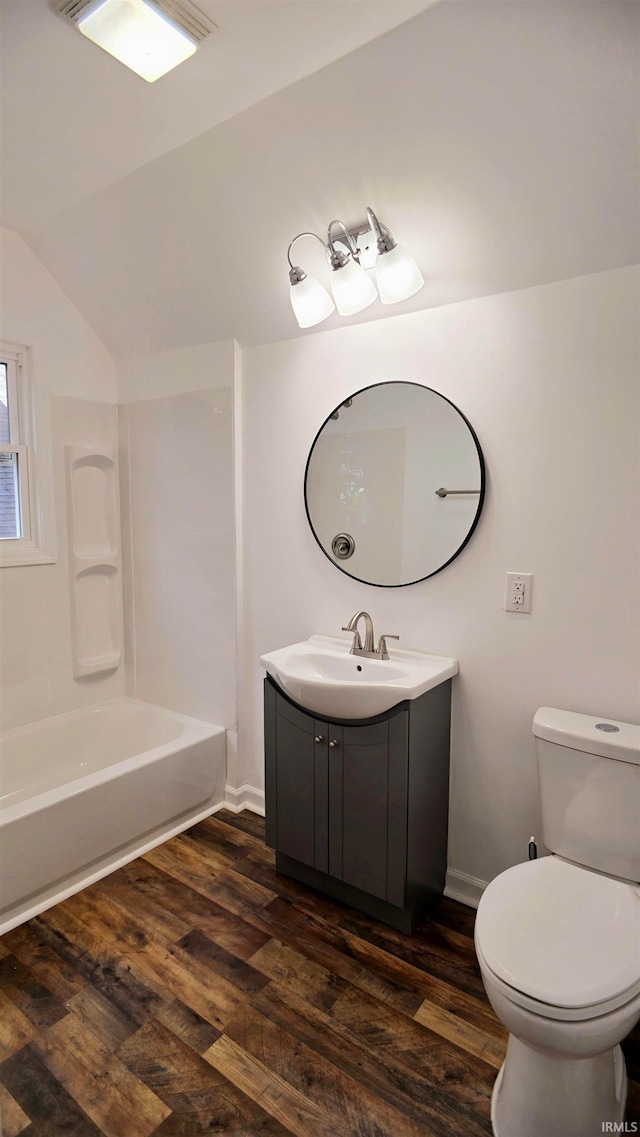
[589, 779]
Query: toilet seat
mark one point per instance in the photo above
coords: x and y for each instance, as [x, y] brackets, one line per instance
[547, 1010]
[561, 940]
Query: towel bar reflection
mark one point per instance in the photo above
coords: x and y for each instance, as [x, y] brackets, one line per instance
[442, 492]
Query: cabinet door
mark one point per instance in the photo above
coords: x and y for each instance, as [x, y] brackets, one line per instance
[296, 748]
[368, 806]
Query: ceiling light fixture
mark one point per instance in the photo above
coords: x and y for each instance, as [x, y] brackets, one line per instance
[397, 274]
[151, 37]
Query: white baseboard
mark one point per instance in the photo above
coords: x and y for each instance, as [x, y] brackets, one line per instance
[245, 797]
[466, 889]
[459, 886]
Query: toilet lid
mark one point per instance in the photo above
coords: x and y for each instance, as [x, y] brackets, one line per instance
[561, 934]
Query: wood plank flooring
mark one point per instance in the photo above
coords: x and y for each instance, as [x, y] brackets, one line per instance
[196, 991]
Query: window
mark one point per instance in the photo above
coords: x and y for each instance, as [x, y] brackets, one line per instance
[15, 523]
[26, 509]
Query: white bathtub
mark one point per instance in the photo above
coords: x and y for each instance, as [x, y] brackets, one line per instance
[85, 792]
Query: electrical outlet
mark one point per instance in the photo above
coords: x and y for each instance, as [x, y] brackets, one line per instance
[518, 592]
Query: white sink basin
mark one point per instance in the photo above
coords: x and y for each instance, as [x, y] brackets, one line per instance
[321, 675]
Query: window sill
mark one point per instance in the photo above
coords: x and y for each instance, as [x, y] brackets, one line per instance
[26, 555]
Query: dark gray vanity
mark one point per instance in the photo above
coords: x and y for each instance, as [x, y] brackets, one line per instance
[359, 809]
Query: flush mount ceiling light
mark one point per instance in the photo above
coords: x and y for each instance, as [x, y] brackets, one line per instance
[150, 37]
[397, 274]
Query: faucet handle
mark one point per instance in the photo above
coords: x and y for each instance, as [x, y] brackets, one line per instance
[381, 649]
[357, 642]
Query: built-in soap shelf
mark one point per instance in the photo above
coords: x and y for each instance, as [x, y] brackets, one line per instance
[94, 559]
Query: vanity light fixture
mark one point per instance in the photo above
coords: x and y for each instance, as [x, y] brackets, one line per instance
[150, 37]
[397, 274]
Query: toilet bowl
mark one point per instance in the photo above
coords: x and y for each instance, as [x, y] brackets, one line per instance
[558, 939]
[559, 952]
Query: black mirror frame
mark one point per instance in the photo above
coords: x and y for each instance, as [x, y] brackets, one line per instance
[408, 583]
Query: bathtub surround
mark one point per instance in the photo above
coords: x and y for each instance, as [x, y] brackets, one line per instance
[176, 461]
[95, 572]
[177, 647]
[36, 648]
[50, 674]
[182, 651]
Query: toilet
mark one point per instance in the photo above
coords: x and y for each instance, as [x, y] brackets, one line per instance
[558, 938]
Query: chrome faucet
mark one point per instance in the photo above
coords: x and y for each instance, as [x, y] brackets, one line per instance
[368, 650]
[352, 626]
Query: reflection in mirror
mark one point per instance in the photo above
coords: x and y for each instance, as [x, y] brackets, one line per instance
[394, 484]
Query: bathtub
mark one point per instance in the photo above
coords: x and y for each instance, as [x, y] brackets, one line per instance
[85, 792]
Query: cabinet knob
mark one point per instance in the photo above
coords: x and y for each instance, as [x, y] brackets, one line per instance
[334, 742]
[320, 738]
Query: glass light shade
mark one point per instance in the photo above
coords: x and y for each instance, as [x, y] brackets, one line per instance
[138, 35]
[352, 289]
[311, 302]
[397, 275]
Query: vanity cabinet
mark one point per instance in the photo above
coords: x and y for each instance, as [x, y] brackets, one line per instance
[359, 809]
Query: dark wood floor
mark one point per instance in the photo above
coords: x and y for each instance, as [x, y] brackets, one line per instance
[195, 991]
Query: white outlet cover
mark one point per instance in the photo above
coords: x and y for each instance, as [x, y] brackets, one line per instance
[518, 592]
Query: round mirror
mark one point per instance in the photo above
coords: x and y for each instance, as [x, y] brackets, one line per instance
[394, 484]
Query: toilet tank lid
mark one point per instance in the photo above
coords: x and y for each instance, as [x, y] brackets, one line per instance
[605, 737]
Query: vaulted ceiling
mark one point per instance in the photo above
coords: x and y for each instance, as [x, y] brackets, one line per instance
[498, 140]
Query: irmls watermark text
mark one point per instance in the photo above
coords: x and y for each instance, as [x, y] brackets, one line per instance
[621, 1126]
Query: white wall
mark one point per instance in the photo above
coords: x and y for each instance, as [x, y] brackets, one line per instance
[497, 140]
[177, 506]
[79, 378]
[169, 373]
[34, 310]
[548, 377]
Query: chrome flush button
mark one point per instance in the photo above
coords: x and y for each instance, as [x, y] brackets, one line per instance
[608, 727]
